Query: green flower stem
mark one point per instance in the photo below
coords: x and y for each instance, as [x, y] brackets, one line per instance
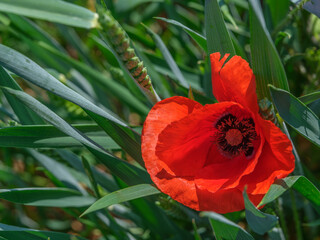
[120, 44]
[296, 215]
[282, 219]
[298, 171]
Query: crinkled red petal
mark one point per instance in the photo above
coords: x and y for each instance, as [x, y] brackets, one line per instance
[233, 81]
[276, 160]
[181, 189]
[224, 200]
[160, 116]
[184, 145]
[187, 145]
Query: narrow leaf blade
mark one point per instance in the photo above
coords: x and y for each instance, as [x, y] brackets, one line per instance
[46, 197]
[24, 114]
[129, 173]
[197, 37]
[52, 10]
[122, 195]
[46, 136]
[258, 221]
[217, 35]
[225, 229]
[13, 232]
[296, 114]
[167, 56]
[299, 183]
[266, 63]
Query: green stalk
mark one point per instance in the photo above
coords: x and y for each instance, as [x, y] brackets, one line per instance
[296, 216]
[282, 219]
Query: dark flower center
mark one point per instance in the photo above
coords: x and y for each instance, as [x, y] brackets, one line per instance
[235, 137]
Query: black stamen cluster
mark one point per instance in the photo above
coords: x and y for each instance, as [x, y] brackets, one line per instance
[247, 128]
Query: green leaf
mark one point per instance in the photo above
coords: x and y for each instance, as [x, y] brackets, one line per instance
[310, 6]
[52, 10]
[129, 173]
[218, 38]
[103, 178]
[49, 116]
[217, 35]
[127, 139]
[24, 114]
[13, 232]
[33, 31]
[154, 217]
[258, 221]
[45, 136]
[122, 195]
[279, 10]
[315, 107]
[125, 5]
[90, 175]
[296, 114]
[162, 67]
[225, 11]
[32, 72]
[29, 70]
[197, 37]
[94, 76]
[105, 49]
[46, 197]
[312, 100]
[58, 170]
[71, 36]
[266, 63]
[299, 183]
[167, 56]
[309, 98]
[225, 229]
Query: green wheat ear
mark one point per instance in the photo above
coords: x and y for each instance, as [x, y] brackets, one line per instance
[120, 42]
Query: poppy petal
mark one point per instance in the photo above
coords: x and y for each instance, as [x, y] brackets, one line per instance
[276, 160]
[233, 81]
[180, 189]
[224, 200]
[184, 145]
[160, 116]
[215, 176]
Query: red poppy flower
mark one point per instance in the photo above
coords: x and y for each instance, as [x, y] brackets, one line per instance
[204, 156]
